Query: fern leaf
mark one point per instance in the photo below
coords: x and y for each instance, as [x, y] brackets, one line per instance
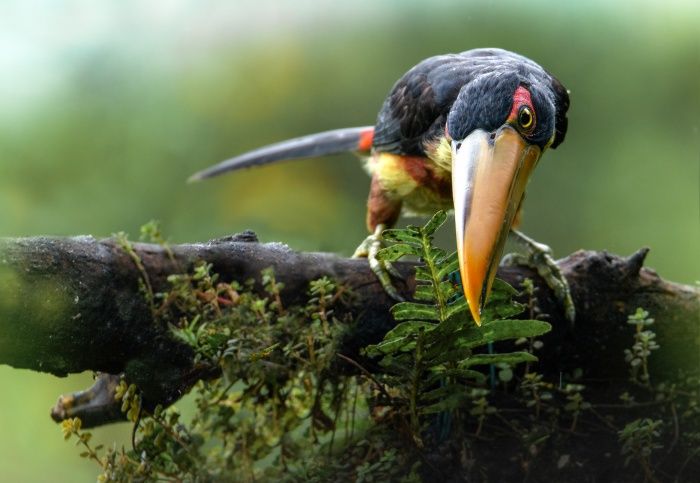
[415, 311]
[435, 222]
[396, 252]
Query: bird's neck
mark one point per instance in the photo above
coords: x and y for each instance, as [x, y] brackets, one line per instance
[439, 152]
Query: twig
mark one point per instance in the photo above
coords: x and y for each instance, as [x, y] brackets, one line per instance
[367, 374]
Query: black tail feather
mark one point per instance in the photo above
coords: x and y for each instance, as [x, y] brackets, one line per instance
[321, 144]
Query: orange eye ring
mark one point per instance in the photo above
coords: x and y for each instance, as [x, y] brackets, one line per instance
[526, 118]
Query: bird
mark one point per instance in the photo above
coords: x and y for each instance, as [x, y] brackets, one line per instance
[461, 131]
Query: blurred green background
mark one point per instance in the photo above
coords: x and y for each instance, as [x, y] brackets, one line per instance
[107, 107]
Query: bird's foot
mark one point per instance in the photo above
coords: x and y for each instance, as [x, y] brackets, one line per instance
[539, 257]
[383, 269]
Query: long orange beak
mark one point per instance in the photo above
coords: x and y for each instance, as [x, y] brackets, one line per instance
[489, 175]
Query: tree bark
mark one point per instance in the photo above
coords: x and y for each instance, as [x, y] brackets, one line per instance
[69, 305]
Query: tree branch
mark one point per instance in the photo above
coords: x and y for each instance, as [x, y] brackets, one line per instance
[70, 305]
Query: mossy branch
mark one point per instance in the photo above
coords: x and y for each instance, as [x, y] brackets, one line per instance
[69, 305]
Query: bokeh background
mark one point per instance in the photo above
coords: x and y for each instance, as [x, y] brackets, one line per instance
[107, 107]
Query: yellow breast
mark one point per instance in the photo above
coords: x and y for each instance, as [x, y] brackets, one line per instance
[423, 184]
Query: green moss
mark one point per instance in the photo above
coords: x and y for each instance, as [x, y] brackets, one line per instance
[10, 289]
[30, 307]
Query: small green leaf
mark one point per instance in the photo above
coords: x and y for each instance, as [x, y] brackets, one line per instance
[512, 329]
[395, 252]
[458, 373]
[424, 293]
[442, 354]
[390, 346]
[456, 343]
[401, 338]
[411, 327]
[502, 290]
[448, 265]
[435, 222]
[506, 358]
[414, 311]
[404, 236]
[423, 274]
[501, 310]
[435, 254]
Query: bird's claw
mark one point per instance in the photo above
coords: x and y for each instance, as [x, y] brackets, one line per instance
[539, 256]
[382, 269]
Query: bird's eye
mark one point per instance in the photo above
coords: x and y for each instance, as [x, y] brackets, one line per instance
[525, 118]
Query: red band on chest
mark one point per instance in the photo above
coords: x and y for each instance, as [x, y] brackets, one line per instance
[421, 171]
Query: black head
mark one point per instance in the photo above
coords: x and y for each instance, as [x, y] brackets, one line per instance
[500, 123]
[535, 105]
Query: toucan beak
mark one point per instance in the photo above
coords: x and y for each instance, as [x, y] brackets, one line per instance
[489, 175]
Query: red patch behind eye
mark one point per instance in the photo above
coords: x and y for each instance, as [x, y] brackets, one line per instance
[520, 98]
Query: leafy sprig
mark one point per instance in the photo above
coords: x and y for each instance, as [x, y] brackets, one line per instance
[431, 354]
